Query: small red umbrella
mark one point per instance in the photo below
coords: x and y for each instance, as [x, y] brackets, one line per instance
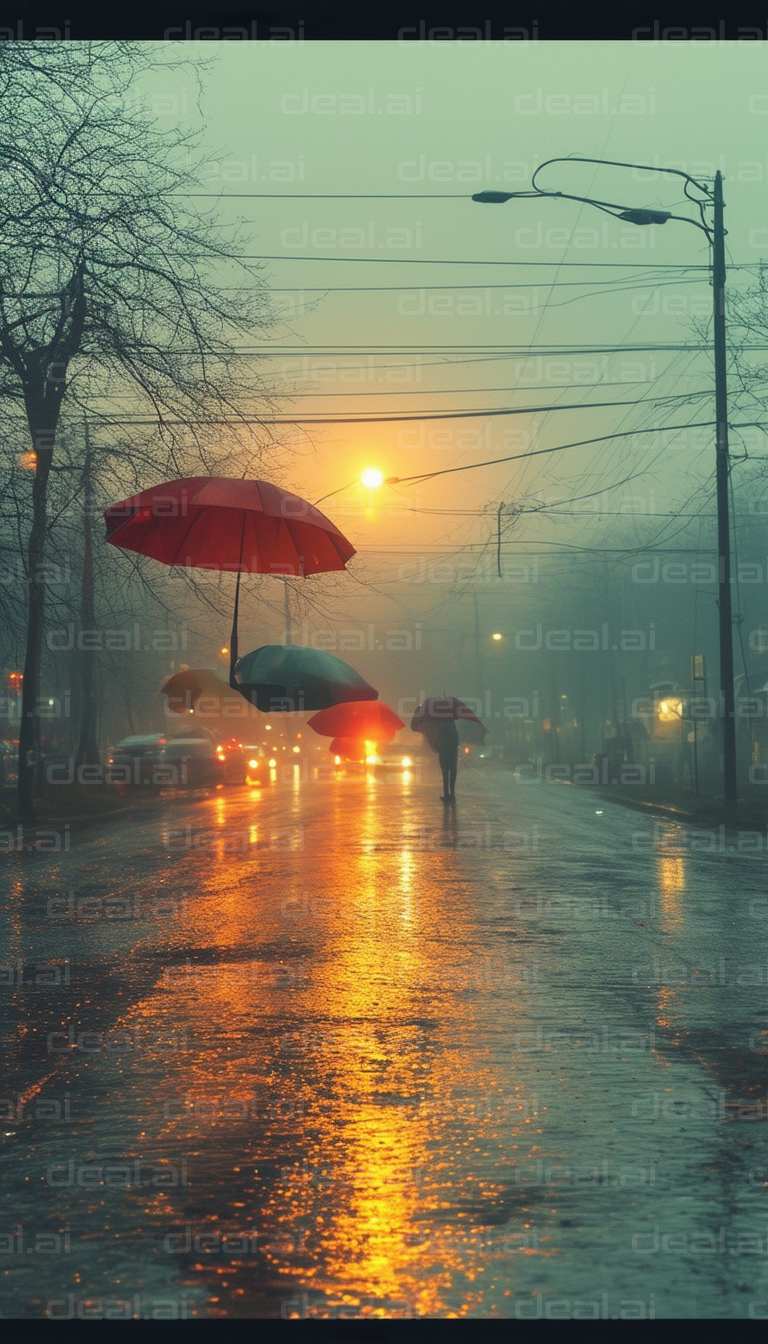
[217, 522]
[360, 719]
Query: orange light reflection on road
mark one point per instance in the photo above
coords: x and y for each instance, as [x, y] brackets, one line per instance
[321, 1015]
[670, 875]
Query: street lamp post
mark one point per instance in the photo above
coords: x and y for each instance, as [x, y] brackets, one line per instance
[715, 234]
[727, 706]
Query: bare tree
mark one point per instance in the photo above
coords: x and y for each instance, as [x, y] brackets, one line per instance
[110, 282]
[748, 321]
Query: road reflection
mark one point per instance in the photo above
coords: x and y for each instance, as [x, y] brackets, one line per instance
[404, 1060]
[316, 1000]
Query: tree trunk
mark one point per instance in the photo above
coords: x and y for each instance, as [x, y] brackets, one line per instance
[29, 728]
[87, 748]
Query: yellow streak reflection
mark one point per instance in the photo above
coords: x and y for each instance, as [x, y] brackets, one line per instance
[670, 875]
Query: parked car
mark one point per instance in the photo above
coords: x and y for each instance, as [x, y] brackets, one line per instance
[190, 763]
[136, 761]
[199, 761]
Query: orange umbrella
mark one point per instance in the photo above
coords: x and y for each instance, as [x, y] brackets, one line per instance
[363, 720]
[201, 691]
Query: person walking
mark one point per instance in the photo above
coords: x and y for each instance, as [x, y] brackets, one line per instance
[444, 739]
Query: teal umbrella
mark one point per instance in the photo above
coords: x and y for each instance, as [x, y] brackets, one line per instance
[280, 678]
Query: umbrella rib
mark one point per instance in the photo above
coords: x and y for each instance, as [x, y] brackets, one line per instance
[183, 540]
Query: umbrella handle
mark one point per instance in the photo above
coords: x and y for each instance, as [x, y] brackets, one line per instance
[233, 636]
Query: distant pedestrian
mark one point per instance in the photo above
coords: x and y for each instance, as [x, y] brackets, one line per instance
[444, 739]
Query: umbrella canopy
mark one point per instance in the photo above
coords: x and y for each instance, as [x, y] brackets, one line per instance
[201, 691]
[363, 720]
[216, 522]
[443, 709]
[279, 677]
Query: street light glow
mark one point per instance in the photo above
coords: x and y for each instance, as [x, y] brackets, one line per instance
[669, 710]
[497, 636]
[372, 478]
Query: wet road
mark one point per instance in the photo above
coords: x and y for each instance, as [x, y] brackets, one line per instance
[328, 1049]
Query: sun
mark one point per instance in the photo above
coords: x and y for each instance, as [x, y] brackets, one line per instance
[372, 478]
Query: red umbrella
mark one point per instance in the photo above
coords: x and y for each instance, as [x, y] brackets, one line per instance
[359, 719]
[216, 522]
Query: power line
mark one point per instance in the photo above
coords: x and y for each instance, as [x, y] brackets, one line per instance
[465, 415]
[321, 196]
[437, 261]
[446, 391]
[527, 284]
[511, 351]
[417, 417]
[463, 391]
[553, 508]
[541, 550]
[538, 452]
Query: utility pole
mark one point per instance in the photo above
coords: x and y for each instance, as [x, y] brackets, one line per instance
[478, 664]
[727, 705]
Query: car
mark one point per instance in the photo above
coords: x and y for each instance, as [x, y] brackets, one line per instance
[389, 760]
[190, 763]
[135, 761]
[233, 762]
[257, 764]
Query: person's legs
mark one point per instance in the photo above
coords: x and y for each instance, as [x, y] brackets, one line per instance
[446, 780]
[452, 778]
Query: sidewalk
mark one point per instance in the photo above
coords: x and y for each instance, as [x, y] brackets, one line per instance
[706, 809]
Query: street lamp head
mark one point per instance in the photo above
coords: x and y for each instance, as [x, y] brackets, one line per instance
[493, 197]
[496, 636]
[645, 216]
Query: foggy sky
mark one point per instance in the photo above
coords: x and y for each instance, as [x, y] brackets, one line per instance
[446, 120]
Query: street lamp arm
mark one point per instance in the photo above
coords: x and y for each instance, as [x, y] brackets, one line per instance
[616, 163]
[631, 214]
